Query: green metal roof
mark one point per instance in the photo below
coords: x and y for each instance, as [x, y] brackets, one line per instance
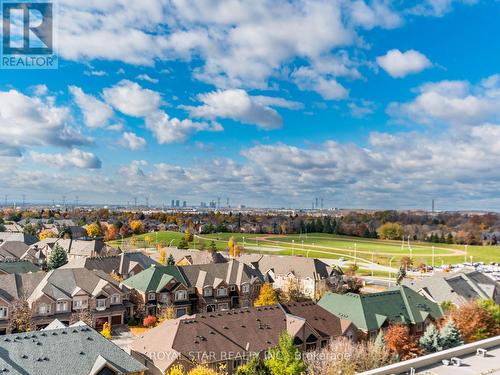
[154, 278]
[369, 311]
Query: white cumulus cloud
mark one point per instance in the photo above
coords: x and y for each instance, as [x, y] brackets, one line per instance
[400, 64]
[74, 159]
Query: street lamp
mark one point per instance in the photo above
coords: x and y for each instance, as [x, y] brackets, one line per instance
[465, 255]
[433, 248]
[293, 247]
[355, 251]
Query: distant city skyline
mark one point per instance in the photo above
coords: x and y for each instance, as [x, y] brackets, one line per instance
[365, 104]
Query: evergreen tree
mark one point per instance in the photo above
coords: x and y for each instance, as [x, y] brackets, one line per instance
[170, 260]
[285, 358]
[431, 339]
[379, 341]
[319, 226]
[450, 336]
[57, 258]
[183, 244]
[327, 225]
[212, 247]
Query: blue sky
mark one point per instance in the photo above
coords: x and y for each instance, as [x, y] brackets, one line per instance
[372, 104]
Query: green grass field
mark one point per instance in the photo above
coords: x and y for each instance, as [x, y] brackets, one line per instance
[321, 245]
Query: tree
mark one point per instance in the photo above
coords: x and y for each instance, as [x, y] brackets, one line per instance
[149, 321]
[474, 322]
[292, 292]
[390, 231]
[106, 330]
[285, 358]
[21, 316]
[492, 307]
[84, 315]
[111, 233]
[138, 301]
[93, 230]
[171, 260]
[163, 257]
[398, 341]
[351, 269]
[343, 356]
[450, 335]
[183, 244]
[253, 367]
[136, 226]
[188, 236]
[431, 339]
[202, 370]
[401, 275]
[57, 258]
[212, 247]
[46, 233]
[267, 296]
[232, 247]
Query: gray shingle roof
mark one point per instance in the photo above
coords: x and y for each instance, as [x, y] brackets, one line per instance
[457, 287]
[74, 350]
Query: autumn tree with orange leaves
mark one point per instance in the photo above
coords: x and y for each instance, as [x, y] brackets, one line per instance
[399, 341]
[474, 322]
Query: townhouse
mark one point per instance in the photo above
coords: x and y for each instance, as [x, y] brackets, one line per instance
[197, 288]
[375, 311]
[74, 248]
[230, 338]
[125, 265]
[76, 350]
[457, 288]
[62, 294]
[190, 257]
[310, 274]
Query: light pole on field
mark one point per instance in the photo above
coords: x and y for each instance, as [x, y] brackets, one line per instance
[433, 254]
[293, 247]
[465, 256]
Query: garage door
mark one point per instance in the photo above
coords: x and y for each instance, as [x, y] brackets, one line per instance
[116, 319]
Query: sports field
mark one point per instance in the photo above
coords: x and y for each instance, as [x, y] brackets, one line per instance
[320, 245]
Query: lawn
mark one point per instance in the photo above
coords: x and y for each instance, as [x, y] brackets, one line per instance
[324, 246]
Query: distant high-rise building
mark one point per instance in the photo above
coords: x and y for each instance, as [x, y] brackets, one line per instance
[173, 203]
[177, 202]
[184, 204]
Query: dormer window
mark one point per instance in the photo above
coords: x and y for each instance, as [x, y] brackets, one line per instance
[207, 291]
[180, 295]
[4, 312]
[115, 299]
[101, 304]
[245, 288]
[232, 288]
[221, 292]
[151, 296]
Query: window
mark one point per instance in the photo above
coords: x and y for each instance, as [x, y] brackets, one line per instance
[222, 292]
[245, 288]
[101, 303]
[164, 297]
[115, 299]
[80, 304]
[4, 311]
[151, 296]
[43, 308]
[232, 288]
[207, 291]
[180, 295]
[61, 306]
[420, 327]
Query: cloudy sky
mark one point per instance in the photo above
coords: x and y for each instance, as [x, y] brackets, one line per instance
[376, 104]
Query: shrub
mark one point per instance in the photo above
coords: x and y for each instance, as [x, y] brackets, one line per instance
[149, 321]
